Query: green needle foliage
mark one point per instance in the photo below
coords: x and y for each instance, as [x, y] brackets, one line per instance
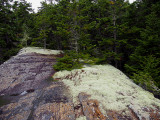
[68, 62]
[124, 35]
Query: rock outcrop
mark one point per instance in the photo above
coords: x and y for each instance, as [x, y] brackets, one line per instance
[104, 92]
[29, 92]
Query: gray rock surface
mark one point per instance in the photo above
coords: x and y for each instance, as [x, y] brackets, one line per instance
[25, 72]
[28, 92]
[25, 83]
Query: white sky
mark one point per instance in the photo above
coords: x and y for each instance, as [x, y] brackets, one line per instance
[36, 3]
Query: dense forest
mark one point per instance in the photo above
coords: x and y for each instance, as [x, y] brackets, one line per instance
[124, 35]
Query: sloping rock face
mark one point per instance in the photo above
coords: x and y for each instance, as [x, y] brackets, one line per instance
[28, 92]
[25, 72]
[104, 92]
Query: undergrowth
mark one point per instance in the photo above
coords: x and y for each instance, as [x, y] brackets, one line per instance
[73, 60]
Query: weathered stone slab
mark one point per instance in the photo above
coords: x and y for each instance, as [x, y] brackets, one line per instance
[25, 83]
[92, 111]
[55, 97]
[29, 94]
[19, 110]
[24, 72]
[55, 111]
[90, 108]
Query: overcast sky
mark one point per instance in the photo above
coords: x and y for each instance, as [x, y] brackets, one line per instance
[36, 3]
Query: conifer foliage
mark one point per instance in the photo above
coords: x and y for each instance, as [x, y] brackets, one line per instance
[14, 27]
[114, 31]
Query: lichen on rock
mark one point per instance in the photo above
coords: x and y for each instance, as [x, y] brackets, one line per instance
[112, 88]
[39, 50]
[99, 92]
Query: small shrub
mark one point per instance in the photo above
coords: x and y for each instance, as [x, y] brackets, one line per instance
[144, 68]
[68, 62]
[73, 60]
[145, 80]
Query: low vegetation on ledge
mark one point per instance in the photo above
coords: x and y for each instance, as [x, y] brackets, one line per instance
[112, 88]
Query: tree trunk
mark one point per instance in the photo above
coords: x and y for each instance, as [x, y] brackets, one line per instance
[44, 43]
[115, 36]
[74, 32]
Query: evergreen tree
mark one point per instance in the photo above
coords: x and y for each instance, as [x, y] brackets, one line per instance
[145, 57]
[13, 17]
[122, 34]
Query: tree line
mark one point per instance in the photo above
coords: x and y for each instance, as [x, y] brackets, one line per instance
[115, 31]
